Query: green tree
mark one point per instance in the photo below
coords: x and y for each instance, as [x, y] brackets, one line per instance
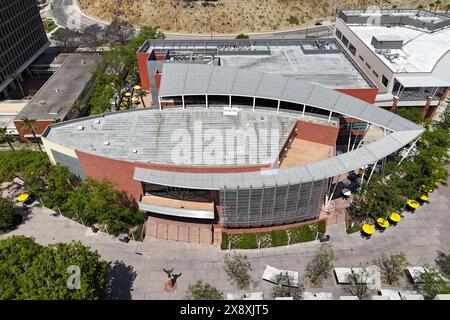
[78, 108]
[7, 215]
[142, 94]
[17, 77]
[433, 283]
[16, 256]
[242, 36]
[284, 287]
[106, 84]
[356, 283]
[203, 291]
[321, 266]
[412, 114]
[29, 124]
[60, 185]
[5, 137]
[99, 202]
[391, 267]
[29, 271]
[436, 5]
[237, 267]
[30, 166]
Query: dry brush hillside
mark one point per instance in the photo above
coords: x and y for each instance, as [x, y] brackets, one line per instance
[230, 16]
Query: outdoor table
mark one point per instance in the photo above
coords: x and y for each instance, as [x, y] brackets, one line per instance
[367, 230]
[346, 192]
[423, 198]
[382, 224]
[346, 182]
[394, 217]
[23, 197]
[412, 204]
[426, 189]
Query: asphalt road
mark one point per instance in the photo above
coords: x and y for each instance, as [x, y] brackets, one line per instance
[68, 15]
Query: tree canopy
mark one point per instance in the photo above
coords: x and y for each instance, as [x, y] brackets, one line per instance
[203, 291]
[30, 271]
[99, 202]
[7, 215]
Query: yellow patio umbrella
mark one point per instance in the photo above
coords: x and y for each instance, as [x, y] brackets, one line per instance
[23, 197]
[424, 197]
[382, 222]
[128, 94]
[413, 203]
[137, 87]
[368, 229]
[395, 217]
[125, 99]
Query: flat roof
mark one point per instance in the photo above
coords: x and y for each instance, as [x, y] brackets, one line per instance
[421, 49]
[55, 98]
[320, 61]
[174, 136]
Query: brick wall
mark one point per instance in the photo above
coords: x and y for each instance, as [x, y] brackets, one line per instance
[142, 58]
[366, 94]
[317, 133]
[121, 172]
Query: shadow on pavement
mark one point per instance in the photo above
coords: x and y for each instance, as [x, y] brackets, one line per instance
[120, 279]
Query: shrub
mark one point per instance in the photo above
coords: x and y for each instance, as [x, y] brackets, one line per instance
[8, 217]
[29, 271]
[321, 266]
[203, 291]
[237, 267]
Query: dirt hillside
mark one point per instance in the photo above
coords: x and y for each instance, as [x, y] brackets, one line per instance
[232, 16]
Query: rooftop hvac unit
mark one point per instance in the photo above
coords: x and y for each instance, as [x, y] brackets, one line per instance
[135, 151]
[80, 128]
[97, 121]
[106, 143]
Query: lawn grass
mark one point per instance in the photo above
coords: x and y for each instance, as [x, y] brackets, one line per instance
[273, 238]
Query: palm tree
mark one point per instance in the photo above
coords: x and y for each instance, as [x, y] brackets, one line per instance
[447, 8]
[16, 76]
[431, 6]
[141, 94]
[28, 124]
[436, 5]
[6, 137]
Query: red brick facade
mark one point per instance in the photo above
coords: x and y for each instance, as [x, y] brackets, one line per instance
[366, 94]
[142, 58]
[121, 172]
[317, 133]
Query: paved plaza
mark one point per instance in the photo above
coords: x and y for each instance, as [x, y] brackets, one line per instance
[138, 274]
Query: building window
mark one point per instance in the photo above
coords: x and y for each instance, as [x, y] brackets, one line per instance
[375, 74]
[345, 41]
[368, 65]
[384, 81]
[338, 33]
[361, 58]
[352, 49]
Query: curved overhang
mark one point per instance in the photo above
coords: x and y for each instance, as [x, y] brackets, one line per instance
[195, 80]
[190, 79]
[180, 79]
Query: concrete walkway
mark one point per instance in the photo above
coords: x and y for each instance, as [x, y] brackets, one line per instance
[138, 267]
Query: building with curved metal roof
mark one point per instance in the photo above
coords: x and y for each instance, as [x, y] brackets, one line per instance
[293, 123]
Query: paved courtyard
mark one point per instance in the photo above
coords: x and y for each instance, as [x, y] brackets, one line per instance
[138, 274]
